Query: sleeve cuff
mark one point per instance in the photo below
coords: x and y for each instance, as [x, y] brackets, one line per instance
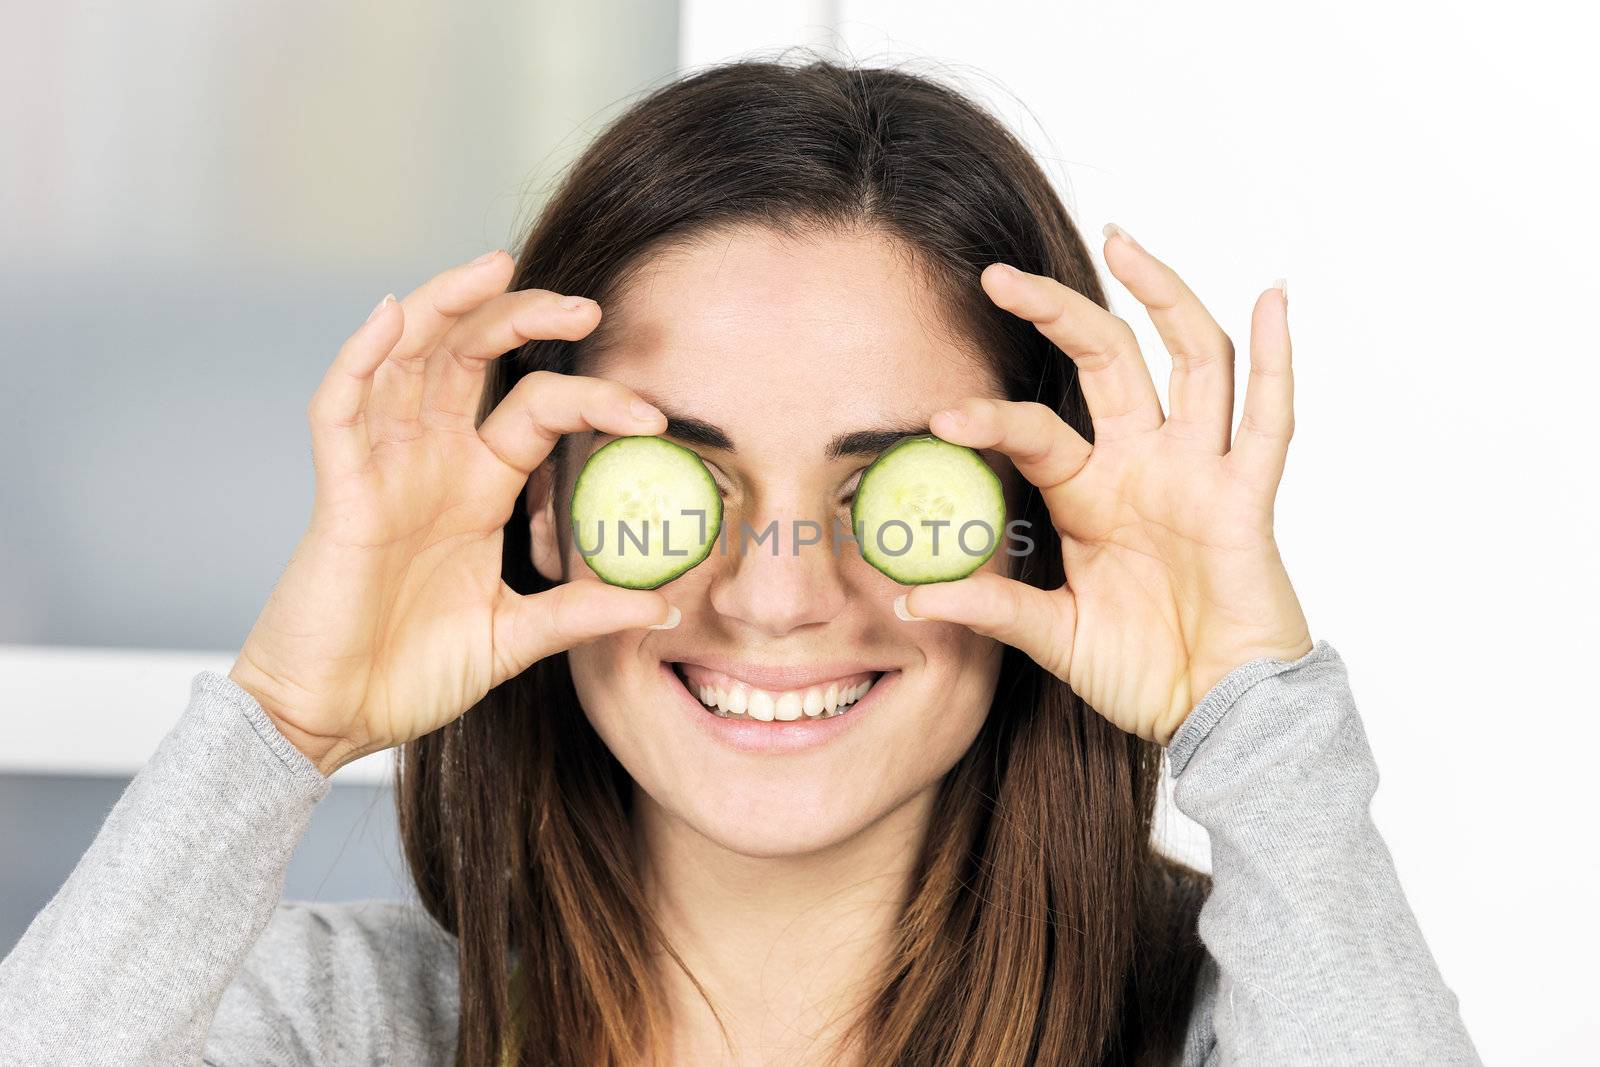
[224, 693]
[1222, 696]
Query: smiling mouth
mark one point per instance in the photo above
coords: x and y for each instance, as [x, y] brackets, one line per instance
[732, 698]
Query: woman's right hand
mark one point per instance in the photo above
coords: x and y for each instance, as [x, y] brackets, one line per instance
[391, 618]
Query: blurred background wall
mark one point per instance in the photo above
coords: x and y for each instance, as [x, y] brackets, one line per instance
[202, 200]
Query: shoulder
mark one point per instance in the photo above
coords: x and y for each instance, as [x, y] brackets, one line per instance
[363, 982]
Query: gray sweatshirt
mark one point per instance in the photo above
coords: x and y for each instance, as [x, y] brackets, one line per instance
[168, 943]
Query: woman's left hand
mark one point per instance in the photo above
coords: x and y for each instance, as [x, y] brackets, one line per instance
[1173, 575]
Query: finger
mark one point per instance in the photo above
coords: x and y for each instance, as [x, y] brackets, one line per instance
[337, 410]
[1261, 445]
[459, 362]
[429, 311]
[1044, 449]
[524, 427]
[527, 628]
[1200, 393]
[1116, 382]
[1038, 622]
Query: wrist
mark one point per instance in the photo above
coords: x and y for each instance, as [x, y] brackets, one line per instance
[327, 754]
[1207, 671]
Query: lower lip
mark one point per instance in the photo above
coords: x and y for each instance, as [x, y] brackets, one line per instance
[777, 737]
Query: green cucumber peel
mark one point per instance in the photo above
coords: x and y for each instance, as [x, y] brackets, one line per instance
[644, 511]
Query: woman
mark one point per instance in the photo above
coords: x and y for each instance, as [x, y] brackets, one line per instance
[798, 266]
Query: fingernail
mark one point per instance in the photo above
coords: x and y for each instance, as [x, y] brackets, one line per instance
[1282, 285]
[485, 258]
[385, 302]
[644, 411]
[1112, 230]
[674, 616]
[573, 303]
[903, 612]
[1008, 270]
[954, 416]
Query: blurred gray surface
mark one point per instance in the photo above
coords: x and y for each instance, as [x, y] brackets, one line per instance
[350, 852]
[199, 203]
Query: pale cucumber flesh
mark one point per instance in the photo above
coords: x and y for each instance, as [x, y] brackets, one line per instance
[644, 511]
[928, 511]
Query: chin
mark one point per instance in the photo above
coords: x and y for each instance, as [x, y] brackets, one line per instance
[778, 757]
[730, 824]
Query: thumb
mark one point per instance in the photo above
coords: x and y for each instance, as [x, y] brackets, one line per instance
[1038, 622]
[527, 628]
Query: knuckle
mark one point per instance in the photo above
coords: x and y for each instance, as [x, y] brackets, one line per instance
[1255, 426]
[557, 617]
[1214, 350]
[450, 350]
[1037, 411]
[1104, 347]
[1189, 360]
[320, 411]
[1012, 600]
[1122, 332]
[538, 381]
[1043, 433]
[1173, 293]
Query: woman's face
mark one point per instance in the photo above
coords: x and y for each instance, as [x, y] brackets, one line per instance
[785, 349]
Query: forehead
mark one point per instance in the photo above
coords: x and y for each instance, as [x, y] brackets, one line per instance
[749, 328]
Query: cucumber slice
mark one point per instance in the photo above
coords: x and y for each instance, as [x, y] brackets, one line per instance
[644, 511]
[928, 511]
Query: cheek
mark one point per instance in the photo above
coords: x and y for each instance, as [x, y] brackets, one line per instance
[599, 679]
[953, 648]
[961, 668]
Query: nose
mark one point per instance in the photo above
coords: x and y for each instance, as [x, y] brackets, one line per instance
[770, 577]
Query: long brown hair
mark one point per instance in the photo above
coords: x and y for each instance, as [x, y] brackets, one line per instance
[1042, 928]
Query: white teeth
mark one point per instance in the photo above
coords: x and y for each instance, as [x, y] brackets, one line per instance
[812, 705]
[850, 694]
[788, 708]
[761, 706]
[815, 702]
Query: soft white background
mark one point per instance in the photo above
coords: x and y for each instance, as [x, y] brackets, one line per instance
[1425, 177]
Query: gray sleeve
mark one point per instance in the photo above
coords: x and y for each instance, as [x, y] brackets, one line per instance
[128, 962]
[1315, 956]
[361, 982]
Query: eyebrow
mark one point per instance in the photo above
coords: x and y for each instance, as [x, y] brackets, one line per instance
[856, 443]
